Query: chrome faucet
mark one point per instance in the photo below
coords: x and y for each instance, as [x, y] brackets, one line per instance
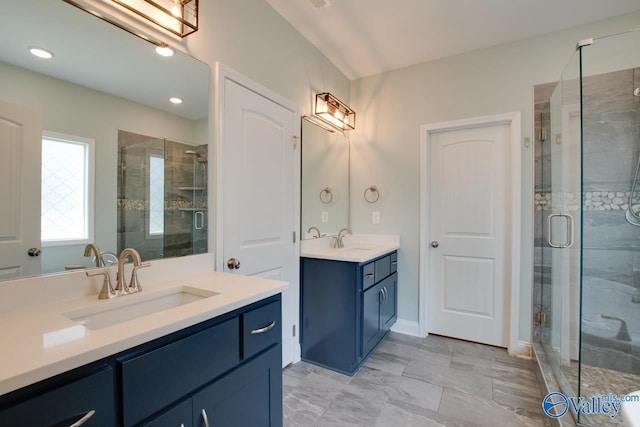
[340, 242]
[92, 247]
[122, 287]
[317, 231]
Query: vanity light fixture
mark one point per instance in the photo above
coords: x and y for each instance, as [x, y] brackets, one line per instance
[335, 112]
[40, 52]
[175, 100]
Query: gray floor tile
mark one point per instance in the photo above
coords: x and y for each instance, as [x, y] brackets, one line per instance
[409, 381]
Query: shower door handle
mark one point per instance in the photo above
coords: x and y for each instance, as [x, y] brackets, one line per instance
[569, 241]
[199, 220]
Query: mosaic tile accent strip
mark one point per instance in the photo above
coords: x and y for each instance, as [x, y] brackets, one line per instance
[592, 201]
[169, 205]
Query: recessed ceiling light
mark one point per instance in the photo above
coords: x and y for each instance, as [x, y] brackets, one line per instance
[40, 53]
[164, 51]
[175, 100]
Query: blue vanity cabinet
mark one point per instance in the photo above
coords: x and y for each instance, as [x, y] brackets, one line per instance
[346, 308]
[230, 367]
[64, 400]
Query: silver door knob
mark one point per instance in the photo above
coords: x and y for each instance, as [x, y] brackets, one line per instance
[34, 252]
[233, 264]
[435, 244]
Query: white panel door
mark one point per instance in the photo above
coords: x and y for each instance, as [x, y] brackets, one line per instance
[468, 233]
[258, 195]
[20, 156]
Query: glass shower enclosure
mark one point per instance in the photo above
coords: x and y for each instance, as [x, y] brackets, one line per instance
[587, 223]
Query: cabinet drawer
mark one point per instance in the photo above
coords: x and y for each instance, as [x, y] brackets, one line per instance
[261, 328]
[66, 405]
[383, 268]
[394, 262]
[160, 377]
[368, 275]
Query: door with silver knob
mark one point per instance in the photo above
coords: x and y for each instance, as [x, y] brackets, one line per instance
[233, 264]
[435, 244]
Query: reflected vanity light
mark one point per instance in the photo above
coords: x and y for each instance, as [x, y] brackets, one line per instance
[335, 112]
[175, 100]
[164, 50]
[40, 52]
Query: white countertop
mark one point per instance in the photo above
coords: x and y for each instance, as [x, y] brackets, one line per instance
[38, 341]
[357, 248]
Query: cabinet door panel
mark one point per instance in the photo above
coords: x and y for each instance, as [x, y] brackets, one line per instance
[371, 318]
[65, 405]
[388, 313]
[179, 416]
[248, 396]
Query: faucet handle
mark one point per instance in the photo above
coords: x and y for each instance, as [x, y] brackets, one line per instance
[134, 284]
[107, 290]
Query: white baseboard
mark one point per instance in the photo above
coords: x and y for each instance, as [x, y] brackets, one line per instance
[522, 349]
[406, 327]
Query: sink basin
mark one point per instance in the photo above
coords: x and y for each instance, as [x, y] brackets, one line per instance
[354, 249]
[131, 307]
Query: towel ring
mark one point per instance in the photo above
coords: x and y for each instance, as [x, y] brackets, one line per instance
[374, 193]
[326, 196]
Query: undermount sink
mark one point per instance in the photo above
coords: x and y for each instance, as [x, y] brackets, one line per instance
[131, 307]
[354, 249]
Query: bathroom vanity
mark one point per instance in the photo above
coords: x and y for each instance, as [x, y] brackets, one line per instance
[348, 303]
[200, 360]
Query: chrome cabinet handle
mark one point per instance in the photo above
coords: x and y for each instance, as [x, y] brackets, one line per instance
[233, 264]
[435, 244]
[386, 294]
[84, 419]
[205, 419]
[368, 276]
[569, 241]
[394, 262]
[265, 329]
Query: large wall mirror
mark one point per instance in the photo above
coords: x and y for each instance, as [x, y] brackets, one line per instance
[325, 181]
[133, 166]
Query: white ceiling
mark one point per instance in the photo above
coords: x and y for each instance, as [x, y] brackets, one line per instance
[366, 37]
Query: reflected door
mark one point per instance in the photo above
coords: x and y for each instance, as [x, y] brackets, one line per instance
[20, 187]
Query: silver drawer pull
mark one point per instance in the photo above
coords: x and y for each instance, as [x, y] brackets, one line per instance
[205, 419]
[394, 262]
[368, 276]
[83, 419]
[265, 329]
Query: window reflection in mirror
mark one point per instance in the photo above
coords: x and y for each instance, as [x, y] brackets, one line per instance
[325, 180]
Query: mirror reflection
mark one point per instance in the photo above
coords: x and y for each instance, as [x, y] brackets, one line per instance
[325, 181]
[121, 166]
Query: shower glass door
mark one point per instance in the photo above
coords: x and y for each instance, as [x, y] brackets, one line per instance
[562, 216]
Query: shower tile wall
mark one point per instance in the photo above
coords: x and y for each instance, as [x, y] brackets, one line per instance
[611, 246]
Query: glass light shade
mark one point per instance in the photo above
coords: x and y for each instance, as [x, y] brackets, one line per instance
[179, 17]
[335, 112]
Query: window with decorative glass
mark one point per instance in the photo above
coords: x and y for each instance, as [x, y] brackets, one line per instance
[67, 183]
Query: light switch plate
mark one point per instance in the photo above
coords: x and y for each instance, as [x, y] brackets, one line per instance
[325, 217]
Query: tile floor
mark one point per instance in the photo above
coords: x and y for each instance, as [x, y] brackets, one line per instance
[409, 381]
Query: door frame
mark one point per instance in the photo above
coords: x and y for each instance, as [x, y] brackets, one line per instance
[512, 284]
[223, 73]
